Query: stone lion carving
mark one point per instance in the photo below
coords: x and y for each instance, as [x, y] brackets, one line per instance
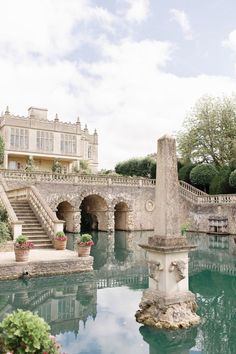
[154, 269]
[179, 268]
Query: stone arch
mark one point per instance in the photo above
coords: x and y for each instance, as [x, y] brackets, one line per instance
[94, 212]
[66, 209]
[123, 214]
[56, 199]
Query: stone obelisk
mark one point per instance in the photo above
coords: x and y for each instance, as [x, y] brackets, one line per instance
[167, 303]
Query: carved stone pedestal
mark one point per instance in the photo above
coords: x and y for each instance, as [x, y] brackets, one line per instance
[159, 311]
[168, 303]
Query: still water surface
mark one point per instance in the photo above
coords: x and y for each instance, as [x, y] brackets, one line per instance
[94, 312]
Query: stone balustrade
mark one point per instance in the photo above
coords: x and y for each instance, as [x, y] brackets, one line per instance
[190, 188]
[49, 220]
[39, 176]
[15, 223]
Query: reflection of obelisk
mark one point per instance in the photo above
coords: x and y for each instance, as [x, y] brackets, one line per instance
[167, 303]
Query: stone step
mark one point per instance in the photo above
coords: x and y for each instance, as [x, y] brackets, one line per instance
[28, 217]
[31, 226]
[28, 213]
[38, 233]
[43, 245]
[43, 240]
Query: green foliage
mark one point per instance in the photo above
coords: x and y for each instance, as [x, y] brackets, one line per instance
[2, 149]
[220, 183]
[143, 167]
[210, 131]
[21, 239]
[3, 214]
[85, 238]
[56, 167]
[60, 233]
[24, 332]
[84, 167]
[5, 234]
[232, 179]
[202, 175]
[184, 172]
[29, 164]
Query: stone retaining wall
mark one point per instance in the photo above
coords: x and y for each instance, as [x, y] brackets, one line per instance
[45, 268]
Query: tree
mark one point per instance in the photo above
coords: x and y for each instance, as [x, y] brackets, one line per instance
[144, 167]
[220, 183]
[210, 131]
[202, 175]
[2, 148]
[232, 179]
[184, 172]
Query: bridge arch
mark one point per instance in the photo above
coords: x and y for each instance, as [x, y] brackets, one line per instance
[65, 208]
[94, 213]
[123, 214]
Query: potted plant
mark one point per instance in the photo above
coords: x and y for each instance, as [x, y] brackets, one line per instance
[21, 248]
[84, 245]
[26, 332]
[60, 241]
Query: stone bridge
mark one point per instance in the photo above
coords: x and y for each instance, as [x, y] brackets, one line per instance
[109, 203]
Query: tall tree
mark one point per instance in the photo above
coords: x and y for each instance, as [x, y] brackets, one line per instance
[209, 133]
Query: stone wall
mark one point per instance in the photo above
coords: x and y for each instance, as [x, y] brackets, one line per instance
[45, 268]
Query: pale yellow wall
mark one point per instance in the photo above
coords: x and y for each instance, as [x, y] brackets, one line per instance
[39, 164]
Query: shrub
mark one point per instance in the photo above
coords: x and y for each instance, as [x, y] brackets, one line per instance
[4, 232]
[220, 183]
[86, 240]
[232, 179]
[24, 332]
[3, 214]
[202, 175]
[184, 172]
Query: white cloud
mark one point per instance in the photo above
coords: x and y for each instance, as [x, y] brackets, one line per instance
[138, 10]
[182, 19]
[127, 94]
[230, 42]
[47, 27]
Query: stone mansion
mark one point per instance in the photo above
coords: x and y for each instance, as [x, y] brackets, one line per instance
[42, 141]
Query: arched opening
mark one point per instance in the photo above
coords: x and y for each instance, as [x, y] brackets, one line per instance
[121, 216]
[65, 211]
[93, 214]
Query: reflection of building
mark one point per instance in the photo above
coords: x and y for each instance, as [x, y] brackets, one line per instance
[63, 306]
[36, 140]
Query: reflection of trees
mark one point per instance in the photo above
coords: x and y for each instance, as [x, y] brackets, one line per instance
[169, 342]
[217, 308]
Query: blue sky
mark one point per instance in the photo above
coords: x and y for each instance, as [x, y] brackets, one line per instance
[130, 68]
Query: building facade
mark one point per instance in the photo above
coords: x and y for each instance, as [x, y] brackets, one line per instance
[39, 142]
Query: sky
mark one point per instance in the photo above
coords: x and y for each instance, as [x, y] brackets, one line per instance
[132, 69]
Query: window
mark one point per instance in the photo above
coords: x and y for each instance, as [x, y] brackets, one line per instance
[19, 139]
[45, 141]
[68, 144]
[89, 152]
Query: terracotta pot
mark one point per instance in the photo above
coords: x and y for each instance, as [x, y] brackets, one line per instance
[84, 251]
[21, 255]
[59, 244]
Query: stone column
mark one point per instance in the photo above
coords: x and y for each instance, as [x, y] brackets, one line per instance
[5, 161]
[111, 220]
[167, 303]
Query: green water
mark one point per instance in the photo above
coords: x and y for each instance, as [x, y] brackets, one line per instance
[94, 312]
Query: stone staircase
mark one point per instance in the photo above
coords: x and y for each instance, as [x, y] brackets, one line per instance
[31, 226]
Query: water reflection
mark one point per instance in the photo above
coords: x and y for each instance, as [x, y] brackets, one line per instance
[94, 312]
[169, 342]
